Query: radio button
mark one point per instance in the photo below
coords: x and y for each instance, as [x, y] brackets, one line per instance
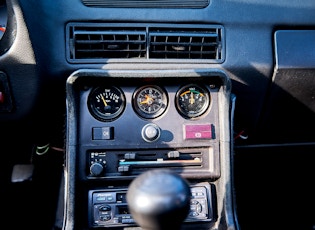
[105, 208]
[105, 218]
[127, 220]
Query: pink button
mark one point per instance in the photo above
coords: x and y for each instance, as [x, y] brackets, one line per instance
[198, 131]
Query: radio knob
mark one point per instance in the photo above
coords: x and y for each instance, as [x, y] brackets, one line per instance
[96, 169]
[151, 132]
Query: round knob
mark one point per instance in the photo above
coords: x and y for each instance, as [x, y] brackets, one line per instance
[151, 132]
[96, 169]
[159, 199]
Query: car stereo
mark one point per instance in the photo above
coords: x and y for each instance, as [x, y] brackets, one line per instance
[109, 208]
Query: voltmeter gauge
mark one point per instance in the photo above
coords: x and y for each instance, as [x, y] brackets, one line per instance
[192, 100]
[106, 103]
[150, 101]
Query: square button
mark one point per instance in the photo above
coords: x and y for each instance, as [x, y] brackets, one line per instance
[103, 133]
[200, 131]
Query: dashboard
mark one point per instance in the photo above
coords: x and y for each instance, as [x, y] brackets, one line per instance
[221, 92]
[61, 46]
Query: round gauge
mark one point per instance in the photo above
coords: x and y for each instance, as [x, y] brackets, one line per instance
[150, 101]
[3, 17]
[106, 103]
[192, 100]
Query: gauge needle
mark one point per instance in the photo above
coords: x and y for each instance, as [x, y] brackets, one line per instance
[148, 100]
[192, 99]
[104, 101]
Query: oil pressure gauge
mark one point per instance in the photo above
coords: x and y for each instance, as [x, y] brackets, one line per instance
[192, 100]
[150, 101]
[106, 103]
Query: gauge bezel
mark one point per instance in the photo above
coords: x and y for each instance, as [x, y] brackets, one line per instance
[96, 113]
[150, 115]
[202, 110]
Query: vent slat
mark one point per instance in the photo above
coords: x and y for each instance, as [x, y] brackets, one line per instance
[107, 42]
[193, 4]
[184, 44]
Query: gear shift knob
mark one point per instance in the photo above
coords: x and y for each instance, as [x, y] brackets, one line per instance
[159, 199]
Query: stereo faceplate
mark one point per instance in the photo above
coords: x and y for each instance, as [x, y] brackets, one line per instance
[109, 208]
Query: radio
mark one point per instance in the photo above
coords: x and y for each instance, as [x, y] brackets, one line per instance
[109, 208]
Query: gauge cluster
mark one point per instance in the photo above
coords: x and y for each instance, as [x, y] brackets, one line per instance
[155, 112]
[107, 103]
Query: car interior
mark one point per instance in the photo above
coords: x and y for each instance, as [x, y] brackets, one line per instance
[157, 114]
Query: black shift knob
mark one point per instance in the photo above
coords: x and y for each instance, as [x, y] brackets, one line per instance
[159, 199]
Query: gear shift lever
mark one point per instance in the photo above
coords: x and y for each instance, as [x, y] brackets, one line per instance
[159, 199]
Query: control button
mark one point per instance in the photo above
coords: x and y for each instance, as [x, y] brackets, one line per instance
[194, 202]
[100, 199]
[194, 214]
[110, 198]
[121, 197]
[173, 154]
[127, 220]
[198, 131]
[105, 218]
[96, 169]
[124, 168]
[117, 220]
[151, 132]
[103, 133]
[199, 208]
[105, 208]
[130, 156]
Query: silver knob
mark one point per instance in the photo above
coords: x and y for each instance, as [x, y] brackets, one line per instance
[151, 132]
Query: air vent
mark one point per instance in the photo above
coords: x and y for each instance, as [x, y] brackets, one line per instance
[186, 44]
[104, 43]
[100, 43]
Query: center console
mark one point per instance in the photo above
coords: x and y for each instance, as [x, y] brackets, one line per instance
[121, 124]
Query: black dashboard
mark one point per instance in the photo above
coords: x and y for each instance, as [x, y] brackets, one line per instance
[214, 90]
[49, 40]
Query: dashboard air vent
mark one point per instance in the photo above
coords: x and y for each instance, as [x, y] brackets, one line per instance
[185, 44]
[100, 43]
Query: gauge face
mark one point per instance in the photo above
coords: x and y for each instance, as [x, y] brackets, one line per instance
[192, 101]
[3, 18]
[106, 103]
[150, 101]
